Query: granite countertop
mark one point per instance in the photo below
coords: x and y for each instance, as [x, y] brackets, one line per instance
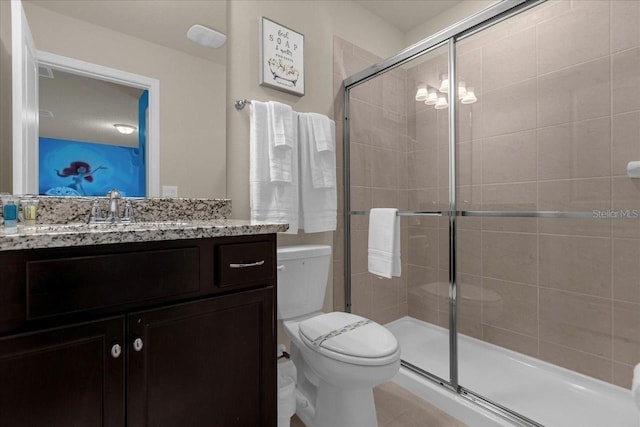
[79, 234]
[62, 223]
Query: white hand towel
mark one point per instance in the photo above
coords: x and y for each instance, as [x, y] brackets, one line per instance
[318, 206]
[270, 201]
[322, 155]
[281, 134]
[384, 242]
[635, 385]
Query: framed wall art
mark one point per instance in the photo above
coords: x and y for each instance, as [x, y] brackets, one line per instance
[281, 57]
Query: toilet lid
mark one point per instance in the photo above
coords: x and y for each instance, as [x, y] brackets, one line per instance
[348, 334]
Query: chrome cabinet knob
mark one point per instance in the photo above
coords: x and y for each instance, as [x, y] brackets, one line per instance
[116, 351]
[138, 344]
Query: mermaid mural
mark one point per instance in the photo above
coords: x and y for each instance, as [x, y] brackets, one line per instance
[75, 168]
[79, 171]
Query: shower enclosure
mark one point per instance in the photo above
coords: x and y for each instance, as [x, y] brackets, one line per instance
[504, 142]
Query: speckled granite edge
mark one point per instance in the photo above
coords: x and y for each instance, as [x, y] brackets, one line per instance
[83, 235]
[64, 210]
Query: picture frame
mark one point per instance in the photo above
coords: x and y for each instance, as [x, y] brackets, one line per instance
[281, 57]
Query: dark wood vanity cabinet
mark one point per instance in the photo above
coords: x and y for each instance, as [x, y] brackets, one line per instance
[199, 352]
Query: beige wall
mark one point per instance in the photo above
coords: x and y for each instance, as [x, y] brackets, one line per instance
[192, 93]
[319, 21]
[5, 98]
[449, 17]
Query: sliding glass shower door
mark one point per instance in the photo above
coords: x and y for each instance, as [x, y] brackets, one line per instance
[399, 158]
[504, 143]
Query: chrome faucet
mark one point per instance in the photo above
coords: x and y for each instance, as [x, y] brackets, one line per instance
[113, 214]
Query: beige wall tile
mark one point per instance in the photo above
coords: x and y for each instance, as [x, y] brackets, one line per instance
[625, 201]
[570, 94]
[361, 299]
[509, 60]
[509, 158]
[510, 256]
[384, 293]
[625, 33]
[515, 225]
[575, 150]
[359, 251]
[384, 197]
[622, 374]
[469, 252]
[577, 321]
[423, 247]
[578, 264]
[575, 360]
[360, 165]
[511, 306]
[469, 163]
[625, 132]
[510, 109]
[578, 35]
[626, 270]
[338, 284]
[575, 226]
[581, 195]
[422, 308]
[626, 332]
[384, 168]
[513, 341]
[626, 80]
[423, 168]
[510, 197]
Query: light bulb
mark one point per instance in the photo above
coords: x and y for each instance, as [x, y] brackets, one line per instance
[125, 129]
[421, 94]
[432, 97]
[442, 103]
[462, 90]
[444, 84]
[470, 97]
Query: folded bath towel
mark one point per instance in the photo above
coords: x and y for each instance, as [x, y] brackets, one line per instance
[281, 135]
[384, 242]
[318, 205]
[322, 156]
[272, 201]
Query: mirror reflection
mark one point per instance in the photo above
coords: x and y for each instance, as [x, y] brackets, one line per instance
[149, 38]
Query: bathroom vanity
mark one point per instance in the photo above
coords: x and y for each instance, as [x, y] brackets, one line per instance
[174, 327]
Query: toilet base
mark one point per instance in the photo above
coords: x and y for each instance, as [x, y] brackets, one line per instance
[337, 407]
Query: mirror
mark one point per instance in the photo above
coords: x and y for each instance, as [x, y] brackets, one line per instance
[148, 38]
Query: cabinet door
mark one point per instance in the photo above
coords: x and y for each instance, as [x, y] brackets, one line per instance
[71, 376]
[205, 363]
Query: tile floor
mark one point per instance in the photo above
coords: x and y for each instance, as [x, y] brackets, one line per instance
[397, 407]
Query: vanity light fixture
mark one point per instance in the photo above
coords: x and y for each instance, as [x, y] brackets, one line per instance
[432, 96]
[206, 36]
[421, 94]
[462, 90]
[125, 129]
[469, 97]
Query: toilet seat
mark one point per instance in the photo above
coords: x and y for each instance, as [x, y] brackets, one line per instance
[349, 338]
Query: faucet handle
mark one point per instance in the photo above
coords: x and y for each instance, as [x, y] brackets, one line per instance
[128, 212]
[95, 215]
[114, 194]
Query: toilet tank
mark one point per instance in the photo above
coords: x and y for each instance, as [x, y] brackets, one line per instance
[303, 271]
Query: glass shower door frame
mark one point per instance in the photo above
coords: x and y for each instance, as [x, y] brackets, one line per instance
[447, 37]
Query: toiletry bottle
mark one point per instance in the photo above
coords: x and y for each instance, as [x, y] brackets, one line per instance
[10, 214]
[29, 211]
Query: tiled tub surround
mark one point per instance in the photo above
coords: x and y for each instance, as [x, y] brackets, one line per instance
[158, 219]
[553, 128]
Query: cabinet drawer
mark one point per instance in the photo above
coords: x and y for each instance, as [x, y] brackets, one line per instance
[245, 263]
[65, 285]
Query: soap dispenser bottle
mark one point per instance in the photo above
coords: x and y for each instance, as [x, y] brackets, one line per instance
[10, 215]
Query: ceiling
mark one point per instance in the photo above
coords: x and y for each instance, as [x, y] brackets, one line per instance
[162, 22]
[85, 109]
[407, 14]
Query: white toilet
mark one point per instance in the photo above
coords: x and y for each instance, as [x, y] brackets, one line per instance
[339, 357]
